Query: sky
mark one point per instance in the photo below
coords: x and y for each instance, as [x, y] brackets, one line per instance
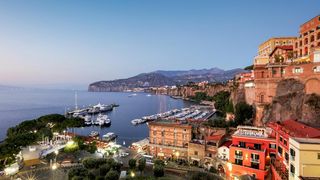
[71, 43]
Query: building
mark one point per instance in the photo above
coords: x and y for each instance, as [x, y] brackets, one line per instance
[203, 149]
[268, 46]
[300, 61]
[250, 151]
[169, 139]
[283, 131]
[304, 158]
[223, 151]
[309, 37]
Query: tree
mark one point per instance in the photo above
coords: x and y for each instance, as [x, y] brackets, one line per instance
[141, 165]
[159, 162]
[243, 113]
[89, 163]
[249, 67]
[221, 99]
[112, 175]
[132, 164]
[81, 172]
[158, 170]
[229, 107]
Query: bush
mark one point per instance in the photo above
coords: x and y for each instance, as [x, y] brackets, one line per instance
[78, 172]
[132, 164]
[142, 164]
[158, 170]
[243, 113]
[112, 175]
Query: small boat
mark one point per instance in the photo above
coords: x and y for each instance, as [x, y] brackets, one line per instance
[109, 136]
[94, 134]
[102, 120]
[136, 121]
[149, 95]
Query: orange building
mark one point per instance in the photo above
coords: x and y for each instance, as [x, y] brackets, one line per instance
[282, 131]
[301, 62]
[169, 139]
[250, 152]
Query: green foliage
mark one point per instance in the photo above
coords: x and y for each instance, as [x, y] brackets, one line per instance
[141, 164]
[99, 177]
[213, 170]
[112, 175]
[158, 170]
[159, 162]
[132, 164]
[201, 96]
[229, 107]
[78, 172]
[249, 67]
[203, 176]
[243, 113]
[221, 101]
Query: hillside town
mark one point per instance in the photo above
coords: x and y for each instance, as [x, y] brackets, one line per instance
[262, 124]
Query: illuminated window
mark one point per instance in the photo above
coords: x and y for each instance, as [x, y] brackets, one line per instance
[297, 70]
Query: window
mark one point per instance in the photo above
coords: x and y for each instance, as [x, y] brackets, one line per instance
[292, 169]
[312, 38]
[154, 133]
[318, 155]
[238, 161]
[162, 133]
[154, 140]
[242, 144]
[196, 153]
[286, 156]
[280, 151]
[257, 146]
[284, 142]
[297, 70]
[280, 138]
[272, 146]
[292, 153]
[255, 157]
[316, 69]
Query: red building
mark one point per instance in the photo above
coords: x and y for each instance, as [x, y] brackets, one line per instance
[282, 131]
[250, 152]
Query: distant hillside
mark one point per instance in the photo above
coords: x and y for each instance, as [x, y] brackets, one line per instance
[162, 78]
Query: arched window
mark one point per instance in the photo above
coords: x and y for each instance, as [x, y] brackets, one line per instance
[300, 43]
[306, 41]
[312, 38]
[306, 51]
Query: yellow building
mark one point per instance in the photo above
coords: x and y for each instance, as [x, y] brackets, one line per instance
[268, 46]
[304, 160]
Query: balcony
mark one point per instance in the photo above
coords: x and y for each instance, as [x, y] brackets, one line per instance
[238, 157]
[255, 160]
[279, 169]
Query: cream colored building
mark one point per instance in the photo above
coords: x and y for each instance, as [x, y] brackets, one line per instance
[268, 46]
[304, 158]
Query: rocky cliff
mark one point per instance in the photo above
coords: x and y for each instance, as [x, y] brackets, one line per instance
[291, 102]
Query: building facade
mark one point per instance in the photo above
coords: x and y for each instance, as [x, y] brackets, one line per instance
[169, 139]
[249, 153]
[304, 161]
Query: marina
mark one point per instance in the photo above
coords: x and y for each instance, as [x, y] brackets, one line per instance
[194, 113]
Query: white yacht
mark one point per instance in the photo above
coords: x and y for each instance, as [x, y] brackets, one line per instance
[109, 136]
[102, 120]
[94, 134]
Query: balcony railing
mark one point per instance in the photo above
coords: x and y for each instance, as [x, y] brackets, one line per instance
[238, 157]
[255, 160]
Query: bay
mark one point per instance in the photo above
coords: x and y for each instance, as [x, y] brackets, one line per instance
[19, 104]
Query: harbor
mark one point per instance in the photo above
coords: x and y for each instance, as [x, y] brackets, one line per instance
[195, 113]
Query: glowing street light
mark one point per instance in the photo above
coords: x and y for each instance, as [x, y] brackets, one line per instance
[56, 152]
[54, 166]
[132, 174]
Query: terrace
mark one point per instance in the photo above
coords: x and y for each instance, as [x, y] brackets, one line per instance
[279, 169]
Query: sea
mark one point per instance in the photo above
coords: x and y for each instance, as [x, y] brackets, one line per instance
[20, 104]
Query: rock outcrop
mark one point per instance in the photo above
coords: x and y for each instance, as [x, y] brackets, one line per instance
[291, 102]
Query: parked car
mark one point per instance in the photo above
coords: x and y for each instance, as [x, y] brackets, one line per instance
[124, 154]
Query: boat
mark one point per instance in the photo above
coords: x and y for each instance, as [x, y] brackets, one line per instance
[94, 134]
[137, 121]
[103, 120]
[87, 119]
[149, 95]
[109, 136]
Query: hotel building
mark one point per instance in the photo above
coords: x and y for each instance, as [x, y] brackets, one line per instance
[300, 61]
[304, 158]
[169, 139]
[250, 151]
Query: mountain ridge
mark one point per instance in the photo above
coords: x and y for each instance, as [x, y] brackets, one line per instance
[165, 77]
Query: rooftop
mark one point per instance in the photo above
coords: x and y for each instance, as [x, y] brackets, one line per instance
[295, 128]
[226, 144]
[167, 123]
[307, 140]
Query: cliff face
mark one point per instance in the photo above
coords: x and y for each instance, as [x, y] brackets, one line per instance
[187, 91]
[291, 102]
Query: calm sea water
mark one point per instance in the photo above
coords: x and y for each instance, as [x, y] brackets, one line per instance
[17, 105]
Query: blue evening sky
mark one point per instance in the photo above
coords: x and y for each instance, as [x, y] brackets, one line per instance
[57, 42]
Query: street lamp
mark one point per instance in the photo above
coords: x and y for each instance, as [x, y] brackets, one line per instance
[54, 166]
